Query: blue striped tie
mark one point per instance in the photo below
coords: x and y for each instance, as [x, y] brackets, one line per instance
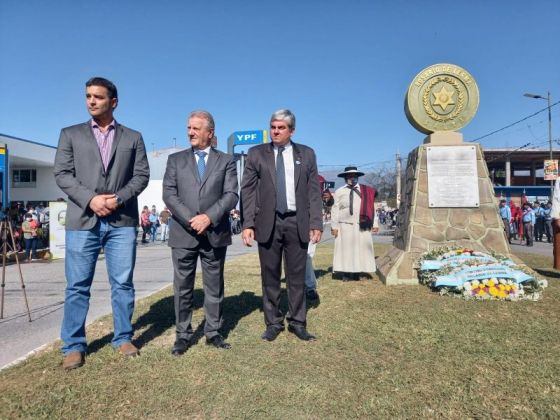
[201, 164]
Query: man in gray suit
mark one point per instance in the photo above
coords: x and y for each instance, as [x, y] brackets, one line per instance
[199, 188]
[282, 211]
[102, 167]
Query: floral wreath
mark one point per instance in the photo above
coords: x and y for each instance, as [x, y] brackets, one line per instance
[474, 275]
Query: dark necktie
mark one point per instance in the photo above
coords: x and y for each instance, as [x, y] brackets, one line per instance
[353, 189]
[201, 164]
[281, 201]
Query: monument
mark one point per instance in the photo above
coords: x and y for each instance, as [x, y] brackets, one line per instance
[448, 197]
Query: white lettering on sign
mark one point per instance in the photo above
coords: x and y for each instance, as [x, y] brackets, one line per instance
[246, 137]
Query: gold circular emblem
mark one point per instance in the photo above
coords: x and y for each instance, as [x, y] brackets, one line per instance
[442, 97]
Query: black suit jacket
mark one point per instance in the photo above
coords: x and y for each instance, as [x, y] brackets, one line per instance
[79, 172]
[258, 191]
[186, 196]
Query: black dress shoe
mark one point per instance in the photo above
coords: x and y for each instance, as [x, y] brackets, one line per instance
[300, 332]
[218, 342]
[271, 333]
[181, 346]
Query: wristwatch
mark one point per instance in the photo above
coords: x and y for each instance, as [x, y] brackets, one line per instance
[120, 202]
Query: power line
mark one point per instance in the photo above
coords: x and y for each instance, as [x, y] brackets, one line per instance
[515, 123]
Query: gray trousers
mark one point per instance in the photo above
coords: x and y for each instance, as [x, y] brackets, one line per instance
[310, 279]
[184, 270]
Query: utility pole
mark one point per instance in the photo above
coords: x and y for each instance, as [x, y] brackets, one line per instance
[398, 157]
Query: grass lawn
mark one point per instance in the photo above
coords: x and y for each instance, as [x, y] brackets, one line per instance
[399, 351]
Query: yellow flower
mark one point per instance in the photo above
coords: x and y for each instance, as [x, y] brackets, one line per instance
[491, 283]
[481, 292]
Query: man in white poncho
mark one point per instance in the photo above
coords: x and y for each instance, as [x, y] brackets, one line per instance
[353, 218]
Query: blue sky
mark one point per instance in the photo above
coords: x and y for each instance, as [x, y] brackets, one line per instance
[342, 67]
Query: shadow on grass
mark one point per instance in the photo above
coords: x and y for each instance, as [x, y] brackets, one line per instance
[320, 272]
[548, 273]
[161, 316]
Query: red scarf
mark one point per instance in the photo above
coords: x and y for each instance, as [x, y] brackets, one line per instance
[367, 206]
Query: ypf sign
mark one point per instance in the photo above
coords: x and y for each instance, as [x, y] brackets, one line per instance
[250, 137]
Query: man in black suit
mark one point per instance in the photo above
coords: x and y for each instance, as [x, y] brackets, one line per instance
[281, 210]
[199, 188]
[102, 166]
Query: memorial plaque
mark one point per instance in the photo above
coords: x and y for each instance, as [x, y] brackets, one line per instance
[452, 176]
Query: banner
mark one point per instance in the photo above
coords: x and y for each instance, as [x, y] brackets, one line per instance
[550, 170]
[57, 231]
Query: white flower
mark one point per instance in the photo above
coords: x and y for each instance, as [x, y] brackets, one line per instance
[475, 283]
[502, 281]
[467, 286]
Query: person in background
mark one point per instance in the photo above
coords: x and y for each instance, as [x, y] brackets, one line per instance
[528, 219]
[29, 228]
[548, 221]
[164, 223]
[235, 221]
[539, 221]
[310, 278]
[145, 224]
[514, 220]
[353, 220]
[505, 214]
[154, 221]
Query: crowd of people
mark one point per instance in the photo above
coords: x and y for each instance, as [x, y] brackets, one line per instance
[531, 222]
[30, 227]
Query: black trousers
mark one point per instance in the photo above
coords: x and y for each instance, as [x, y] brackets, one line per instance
[539, 228]
[528, 232]
[284, 244]
[184, 266]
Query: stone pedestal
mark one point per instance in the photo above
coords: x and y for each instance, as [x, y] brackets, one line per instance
[421, 228]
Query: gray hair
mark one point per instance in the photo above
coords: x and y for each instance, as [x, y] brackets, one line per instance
[284, 115]
[204, 115]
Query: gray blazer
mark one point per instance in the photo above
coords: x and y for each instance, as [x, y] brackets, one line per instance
[186, 196]
[79, 172]
[258, 191]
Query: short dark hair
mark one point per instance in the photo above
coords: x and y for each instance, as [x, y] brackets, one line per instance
[107, 84]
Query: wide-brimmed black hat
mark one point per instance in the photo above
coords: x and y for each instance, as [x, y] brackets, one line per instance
[350, 170]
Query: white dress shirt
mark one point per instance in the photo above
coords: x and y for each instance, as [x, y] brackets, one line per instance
[207, 150]
[288, 156]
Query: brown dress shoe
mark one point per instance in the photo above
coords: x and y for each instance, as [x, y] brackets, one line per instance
[73, 360]
[128, 349]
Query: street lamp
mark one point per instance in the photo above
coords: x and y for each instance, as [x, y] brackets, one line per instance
[555, 227]
[547, 98]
